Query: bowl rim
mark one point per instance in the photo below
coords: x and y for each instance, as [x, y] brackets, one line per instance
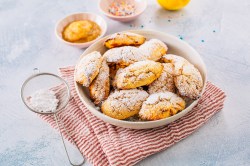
[103, 28]
[128, 16]
[171, 118]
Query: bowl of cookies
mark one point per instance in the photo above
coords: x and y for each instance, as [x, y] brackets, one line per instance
[140, 79]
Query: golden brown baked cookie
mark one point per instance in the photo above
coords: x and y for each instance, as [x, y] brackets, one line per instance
[176, 60]
[114, 81]
[188, 79]
[112, 72]
[124, 56]
[88, 68]
[100, 87]
[139, 74]
[154, 49]
[123, 104]
[165, 83]
[124, 39]
[161, 105]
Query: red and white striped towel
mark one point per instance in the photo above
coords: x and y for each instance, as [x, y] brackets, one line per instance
[104, 144]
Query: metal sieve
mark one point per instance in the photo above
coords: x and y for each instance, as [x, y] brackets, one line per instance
[39, 81]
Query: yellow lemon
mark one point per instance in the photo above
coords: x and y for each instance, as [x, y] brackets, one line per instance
[173, 4]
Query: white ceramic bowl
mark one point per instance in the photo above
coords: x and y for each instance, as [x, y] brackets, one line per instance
[140, 6]
[77, 17]
[176, 46]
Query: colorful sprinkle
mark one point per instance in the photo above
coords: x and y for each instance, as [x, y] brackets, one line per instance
[122, 8]
[180, 37]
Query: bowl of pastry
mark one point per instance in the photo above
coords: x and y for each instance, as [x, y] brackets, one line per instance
[140, 79]
[81, 29]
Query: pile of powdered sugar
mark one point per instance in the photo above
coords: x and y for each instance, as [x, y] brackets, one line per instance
[43, 101]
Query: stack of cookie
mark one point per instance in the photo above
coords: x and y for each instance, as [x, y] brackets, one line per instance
[137, 78]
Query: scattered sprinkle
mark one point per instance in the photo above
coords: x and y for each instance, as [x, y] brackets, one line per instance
[122, 8]
[180, 37]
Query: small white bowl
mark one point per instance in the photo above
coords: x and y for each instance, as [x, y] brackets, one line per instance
[176, 46]
[140, 6]
[77, 17]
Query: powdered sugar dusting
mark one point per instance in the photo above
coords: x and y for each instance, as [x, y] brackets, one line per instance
[188, 79]
[127, 98]
[139, 74]
[99, 88]
[161, 105]
[156, 97]
[124, 55]
[165, 82]
[88, 68]
[154, 49]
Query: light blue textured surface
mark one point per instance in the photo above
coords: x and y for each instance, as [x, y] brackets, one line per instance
[27, 40]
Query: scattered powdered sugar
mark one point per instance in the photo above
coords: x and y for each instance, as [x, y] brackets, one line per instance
[188, 79]
[99, 88]
[161, 105]
[139, 74]
[154, 49]
[88, 66]
[156, 97]
[141, 69]
[43, 101]
[165, 82]
[129, 99]
[88, 62]
[124, 55]
[143, 64]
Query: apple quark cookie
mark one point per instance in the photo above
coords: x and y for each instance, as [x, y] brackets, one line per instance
[124, 39]
[188, 79]
[88, 68]
[165, 83]
[138, 74]
[161, 105]
[100, 87]
[124, 56]
[154, 49]
[122, 104]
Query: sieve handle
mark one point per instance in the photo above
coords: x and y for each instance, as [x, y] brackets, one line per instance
[57, 122]
[36, 70]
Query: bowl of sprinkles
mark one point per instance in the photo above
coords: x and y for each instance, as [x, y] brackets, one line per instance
[122, 10]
